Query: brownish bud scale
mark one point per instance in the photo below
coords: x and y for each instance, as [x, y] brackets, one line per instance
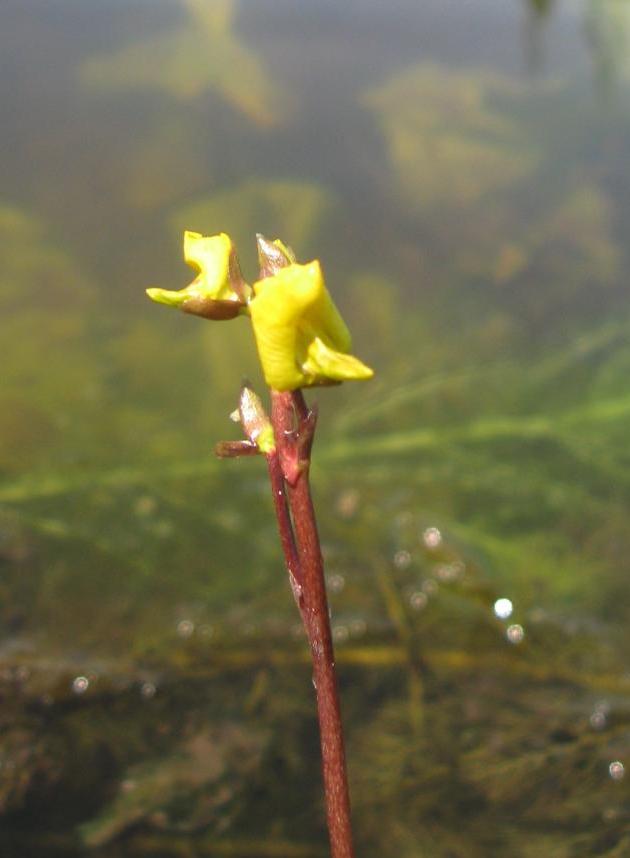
[235, 449]
[208, 308]
[272, 256]
[239, 285]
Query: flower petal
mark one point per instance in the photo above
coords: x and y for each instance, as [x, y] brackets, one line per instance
[171, 299]
[337, 366]
[302, 339]
[210, 255]
[218, 291]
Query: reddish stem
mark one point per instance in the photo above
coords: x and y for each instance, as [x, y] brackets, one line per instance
[285, 528]
[293, 428]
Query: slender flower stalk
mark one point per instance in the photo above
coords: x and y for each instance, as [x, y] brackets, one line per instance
[302, 342]
[285, 527]
[286, 407]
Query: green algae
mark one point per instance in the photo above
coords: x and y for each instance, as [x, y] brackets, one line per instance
[472, 146]
[477, 245]
[204, 53]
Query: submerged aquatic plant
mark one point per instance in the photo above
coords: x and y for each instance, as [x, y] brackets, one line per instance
[302, 342]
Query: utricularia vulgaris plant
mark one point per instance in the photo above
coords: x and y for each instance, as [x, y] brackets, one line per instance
[302, 342]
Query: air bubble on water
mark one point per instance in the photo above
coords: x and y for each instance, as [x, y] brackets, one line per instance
[430, 587]
[358, 627]
[503, 608]
[449, 572]
[340, 634]
[336, 582]
[148, 690]
[185, 628]
[616, 770]
[599, 715]
[80, 684]
[402, 559]
[418, 600]
[515, 633]
[598, 720]
[432, 537]
[348, 503]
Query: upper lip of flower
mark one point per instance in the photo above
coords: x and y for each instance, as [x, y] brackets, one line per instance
[219, 278]
[302, 339]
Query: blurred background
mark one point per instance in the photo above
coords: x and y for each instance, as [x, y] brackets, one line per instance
[461, 169]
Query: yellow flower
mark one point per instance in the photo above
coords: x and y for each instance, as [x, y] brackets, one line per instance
[218, 291]
[301, 338]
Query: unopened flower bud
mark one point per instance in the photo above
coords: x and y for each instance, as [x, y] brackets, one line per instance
[272, 256]
[254, 420]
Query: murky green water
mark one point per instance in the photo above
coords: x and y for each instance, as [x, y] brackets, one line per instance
[462, 172]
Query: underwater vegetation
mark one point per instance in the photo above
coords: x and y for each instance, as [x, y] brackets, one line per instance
[416, 635]
[458, 128]
[414, 626]
[204, 54]
[42, 379]
[522, 468]
[515, 224]
[608, 30]
[155, 688]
